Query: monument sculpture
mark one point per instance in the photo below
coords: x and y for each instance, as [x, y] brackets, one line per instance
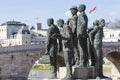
[72, 38]
[67, 37]
[52, 45]
[82, 23]
[98, 47]
[96, 36]
[73, 25]
[91, 42]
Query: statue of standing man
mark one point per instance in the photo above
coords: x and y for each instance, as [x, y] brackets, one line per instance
[91, 33]
[82, 24]
[52, 45]
[98, 49]
[97, 33]
[67, 43]
[73, 26]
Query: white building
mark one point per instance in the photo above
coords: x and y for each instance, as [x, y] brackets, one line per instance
[112, 32]
[38, 35]
[10, 28]
[14, 33]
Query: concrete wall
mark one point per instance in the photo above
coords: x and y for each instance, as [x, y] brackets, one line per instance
[31, 47]
[17, 61]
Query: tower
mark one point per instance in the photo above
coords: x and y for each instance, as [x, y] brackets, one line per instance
[39, 26]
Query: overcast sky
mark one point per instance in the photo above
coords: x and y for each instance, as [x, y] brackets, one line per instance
[28, 10]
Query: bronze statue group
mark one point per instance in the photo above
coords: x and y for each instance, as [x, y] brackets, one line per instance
[76, 42]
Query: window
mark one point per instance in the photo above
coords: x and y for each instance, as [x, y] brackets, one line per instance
[110, 35]
[113, 35]
[27, 55]
[12, 56]
[119, 35]
[118, 40]
[39, 34]
[26, 42]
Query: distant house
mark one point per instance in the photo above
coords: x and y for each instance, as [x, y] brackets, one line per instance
[38, 35]
[112, 32]
[16, 33]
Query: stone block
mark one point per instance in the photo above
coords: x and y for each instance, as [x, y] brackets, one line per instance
[83, 79]
[84, 72]
[52, 79]
[95, 79]
[62, 72]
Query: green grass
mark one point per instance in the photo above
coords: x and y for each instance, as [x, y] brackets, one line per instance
[41, 67]
[107, 69]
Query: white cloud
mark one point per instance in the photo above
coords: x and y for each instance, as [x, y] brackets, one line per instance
[68, 14]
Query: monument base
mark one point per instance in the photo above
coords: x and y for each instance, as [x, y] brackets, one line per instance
[62, 72]
[84, 72]
[82, 79]
[80, 73]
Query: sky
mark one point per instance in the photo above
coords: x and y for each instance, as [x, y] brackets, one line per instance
[33, 11]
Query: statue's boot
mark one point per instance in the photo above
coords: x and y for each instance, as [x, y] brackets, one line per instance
[53, 76]
[93, 64]
[53, 72]
[81, 65]
[102, 76]
[68, 78]
[77, 63]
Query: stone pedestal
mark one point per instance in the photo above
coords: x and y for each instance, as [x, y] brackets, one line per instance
[84, 73]
[79, 73]
[84, 79]
[62, 72]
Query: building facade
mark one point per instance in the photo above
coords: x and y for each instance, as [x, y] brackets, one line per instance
[16, 33]
[112, 32]
[38, 35]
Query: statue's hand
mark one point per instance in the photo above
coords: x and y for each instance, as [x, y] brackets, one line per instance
[56, 35]
[53, 36]
[46, 53]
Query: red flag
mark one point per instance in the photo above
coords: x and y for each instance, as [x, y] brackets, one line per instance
[93, 9]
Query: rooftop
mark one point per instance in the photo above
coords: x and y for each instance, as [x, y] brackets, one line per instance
[113, 25]
[14, 23]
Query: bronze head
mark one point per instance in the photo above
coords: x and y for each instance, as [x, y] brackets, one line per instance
[60, 22]
[102, 22]
[82, 8]
[50, 21]
[74, 10]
